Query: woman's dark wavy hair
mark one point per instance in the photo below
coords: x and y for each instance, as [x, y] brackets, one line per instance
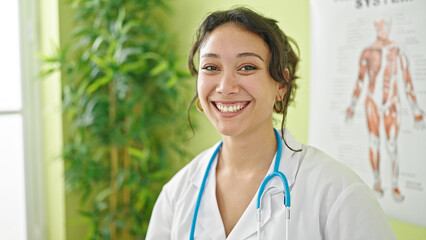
[282, 54]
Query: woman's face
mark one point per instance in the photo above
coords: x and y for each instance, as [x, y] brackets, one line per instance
[235, 88]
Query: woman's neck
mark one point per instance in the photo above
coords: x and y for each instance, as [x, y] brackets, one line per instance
[248, 153]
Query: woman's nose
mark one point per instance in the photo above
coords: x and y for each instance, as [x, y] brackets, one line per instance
[227, 84]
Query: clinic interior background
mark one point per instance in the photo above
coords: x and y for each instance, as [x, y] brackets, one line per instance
[59, 210]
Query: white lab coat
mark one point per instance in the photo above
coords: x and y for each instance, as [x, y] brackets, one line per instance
[328, 201]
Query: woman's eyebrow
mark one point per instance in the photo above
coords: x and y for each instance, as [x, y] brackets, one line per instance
[239, 55]
[250, 54]
[213, 55]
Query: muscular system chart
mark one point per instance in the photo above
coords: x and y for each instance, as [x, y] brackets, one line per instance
[368, 96]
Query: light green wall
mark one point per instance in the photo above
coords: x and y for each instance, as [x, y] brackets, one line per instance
[52, 125]
[405, 231]
[76, 226]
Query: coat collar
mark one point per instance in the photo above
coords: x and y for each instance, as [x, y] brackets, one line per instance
[247, 225]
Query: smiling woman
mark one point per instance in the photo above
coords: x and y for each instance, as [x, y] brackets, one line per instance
[279, 60]
[236, 189]
[234, 75]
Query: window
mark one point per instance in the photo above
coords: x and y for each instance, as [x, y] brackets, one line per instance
[21, 204]
[12, 171]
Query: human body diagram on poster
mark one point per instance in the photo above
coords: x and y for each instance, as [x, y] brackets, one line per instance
[383, 70]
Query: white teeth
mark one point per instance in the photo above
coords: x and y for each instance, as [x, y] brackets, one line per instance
[230, 109]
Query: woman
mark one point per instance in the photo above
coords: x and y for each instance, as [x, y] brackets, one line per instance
[246, 71]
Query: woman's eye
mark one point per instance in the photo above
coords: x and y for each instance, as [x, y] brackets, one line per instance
[248, 68]
[210, 68]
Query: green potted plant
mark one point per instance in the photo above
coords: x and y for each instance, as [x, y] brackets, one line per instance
[124, 98]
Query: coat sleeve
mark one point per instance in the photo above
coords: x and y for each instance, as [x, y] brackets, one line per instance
[160, 225]
[356, 214]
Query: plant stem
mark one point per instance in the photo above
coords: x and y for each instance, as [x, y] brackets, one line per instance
[113, 159]
[126, 191]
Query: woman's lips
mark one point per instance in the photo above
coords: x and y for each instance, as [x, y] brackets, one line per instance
[230, 107]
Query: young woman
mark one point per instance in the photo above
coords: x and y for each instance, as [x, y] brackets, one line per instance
[243, 187]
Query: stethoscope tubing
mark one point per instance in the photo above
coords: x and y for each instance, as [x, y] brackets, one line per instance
[275, 173]
[200, 193]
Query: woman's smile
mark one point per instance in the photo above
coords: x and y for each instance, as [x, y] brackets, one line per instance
[230, 107]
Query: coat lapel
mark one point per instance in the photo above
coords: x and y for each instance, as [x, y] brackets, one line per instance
[209, 222]
[247, 224]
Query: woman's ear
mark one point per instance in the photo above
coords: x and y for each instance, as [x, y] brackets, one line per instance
[281, 91]
[286, 74]
[282, 87]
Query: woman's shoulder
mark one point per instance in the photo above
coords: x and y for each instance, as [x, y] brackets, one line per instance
[338, 190]
[316, 166]
[190, 174]
[322, 168]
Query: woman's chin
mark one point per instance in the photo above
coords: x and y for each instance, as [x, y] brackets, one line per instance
[228, 130]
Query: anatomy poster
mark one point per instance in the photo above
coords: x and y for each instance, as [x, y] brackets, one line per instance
[368, 96]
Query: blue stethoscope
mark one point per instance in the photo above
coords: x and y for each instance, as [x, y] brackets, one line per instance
[275, 173]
